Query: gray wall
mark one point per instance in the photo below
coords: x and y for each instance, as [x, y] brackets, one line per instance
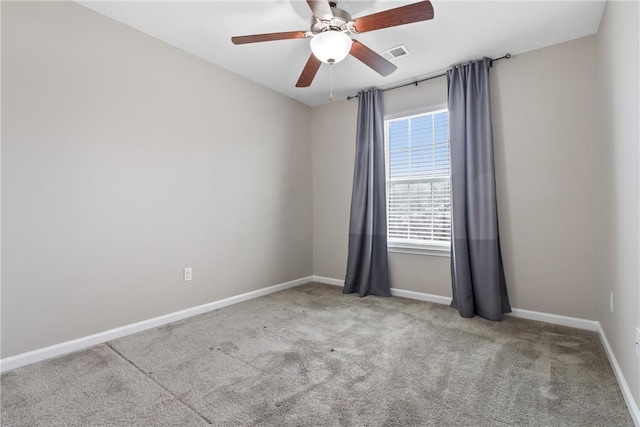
[125, 160]
[545, 124]
[618, 99]
[546, 158]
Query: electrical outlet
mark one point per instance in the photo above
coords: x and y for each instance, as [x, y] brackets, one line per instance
[188, 274]
[611, 302]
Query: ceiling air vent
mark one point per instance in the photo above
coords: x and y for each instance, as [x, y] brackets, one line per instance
[395, 52]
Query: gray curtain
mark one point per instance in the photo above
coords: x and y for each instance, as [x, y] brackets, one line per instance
[367, 264]
[478, 280]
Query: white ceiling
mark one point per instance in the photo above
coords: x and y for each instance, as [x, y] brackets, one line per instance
[460, 31]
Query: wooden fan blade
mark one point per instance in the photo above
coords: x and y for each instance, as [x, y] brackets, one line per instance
[416, 12]
[321, 9]
[255, 38]
[309, 72]
[372, 59]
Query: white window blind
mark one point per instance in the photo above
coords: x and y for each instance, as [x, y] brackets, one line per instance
[418, 180]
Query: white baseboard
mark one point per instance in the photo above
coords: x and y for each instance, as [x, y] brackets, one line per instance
[556, 319]
[23, 359]
[395, 292]
[622, 382]
[328, 280]
[38, 355]
[420, 296]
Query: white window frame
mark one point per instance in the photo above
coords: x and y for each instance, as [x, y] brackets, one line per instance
[432, 249]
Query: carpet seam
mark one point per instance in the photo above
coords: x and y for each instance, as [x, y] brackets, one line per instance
[154, 381]
[239, 359]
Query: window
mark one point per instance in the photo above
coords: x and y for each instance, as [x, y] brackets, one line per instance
[418, 182]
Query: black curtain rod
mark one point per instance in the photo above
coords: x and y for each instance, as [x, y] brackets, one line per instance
[507, 56]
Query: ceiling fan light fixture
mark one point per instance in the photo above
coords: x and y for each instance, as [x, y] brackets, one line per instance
[331, 46]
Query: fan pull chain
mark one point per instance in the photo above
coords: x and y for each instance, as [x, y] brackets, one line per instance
[331, 82]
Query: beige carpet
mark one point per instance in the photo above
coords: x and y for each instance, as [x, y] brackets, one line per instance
[312, 356]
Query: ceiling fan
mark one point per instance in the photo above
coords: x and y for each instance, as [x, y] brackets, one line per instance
[330, 35]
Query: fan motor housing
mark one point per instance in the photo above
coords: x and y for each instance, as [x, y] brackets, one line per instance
[341, 22]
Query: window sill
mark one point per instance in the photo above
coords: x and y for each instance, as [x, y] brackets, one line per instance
[420, 250]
